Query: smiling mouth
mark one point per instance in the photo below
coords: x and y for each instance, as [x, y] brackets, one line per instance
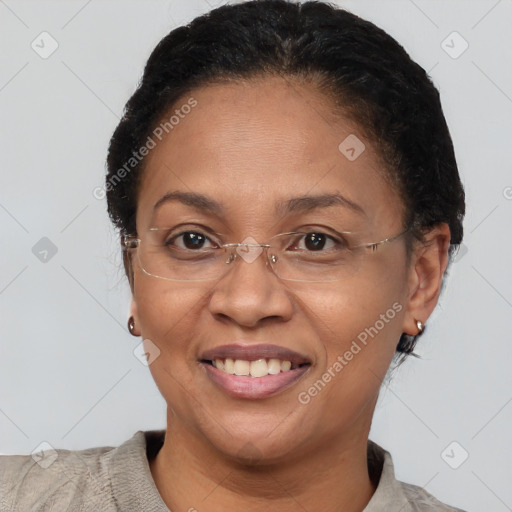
[257, 369]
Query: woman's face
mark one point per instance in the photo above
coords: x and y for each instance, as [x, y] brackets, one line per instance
[249, 147]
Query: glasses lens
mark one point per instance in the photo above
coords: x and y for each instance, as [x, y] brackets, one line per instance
[190, 260]
[297, 256]
[313, 257]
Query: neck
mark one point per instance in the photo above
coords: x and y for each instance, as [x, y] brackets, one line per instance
[191, 475]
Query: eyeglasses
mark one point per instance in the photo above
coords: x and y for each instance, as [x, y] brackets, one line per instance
[296, 256]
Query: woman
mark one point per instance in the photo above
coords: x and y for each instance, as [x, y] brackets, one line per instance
[288, 199]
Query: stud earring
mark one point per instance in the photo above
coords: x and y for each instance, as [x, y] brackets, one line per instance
[131, 326]
[420, 326]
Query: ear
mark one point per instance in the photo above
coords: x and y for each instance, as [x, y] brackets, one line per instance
[428, 264]
[134, 313]
[128, 268]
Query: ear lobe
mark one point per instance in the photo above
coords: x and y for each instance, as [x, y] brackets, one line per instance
[428, 265]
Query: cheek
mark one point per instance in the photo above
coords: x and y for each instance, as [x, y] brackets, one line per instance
[168, 317]
[359, 331]
[349, 308]
[359, 324]
[167, 313]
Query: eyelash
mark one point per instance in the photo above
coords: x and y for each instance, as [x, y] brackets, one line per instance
[170, 241]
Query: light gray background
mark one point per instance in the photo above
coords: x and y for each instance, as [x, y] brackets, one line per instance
[68, 374]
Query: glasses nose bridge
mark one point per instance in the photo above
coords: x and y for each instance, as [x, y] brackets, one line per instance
[252, 252]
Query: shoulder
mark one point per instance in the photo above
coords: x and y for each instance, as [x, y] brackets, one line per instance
[394, 495]
[58, 479]
[421, 501]
[53, 478]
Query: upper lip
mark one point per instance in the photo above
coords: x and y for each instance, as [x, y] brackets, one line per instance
[254, 352]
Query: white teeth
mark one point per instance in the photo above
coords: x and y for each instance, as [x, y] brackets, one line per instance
[274, 366]
[258, 368]
[285, 366]
[229, 366]
[242, 367]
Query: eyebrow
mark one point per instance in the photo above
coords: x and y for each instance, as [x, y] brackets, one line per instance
[196, 201]
[294, 205]
[312, 202]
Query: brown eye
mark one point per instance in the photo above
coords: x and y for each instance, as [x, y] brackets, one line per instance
[315, 241]
[189, 240]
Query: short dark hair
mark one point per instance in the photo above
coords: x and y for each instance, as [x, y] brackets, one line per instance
[370, 77]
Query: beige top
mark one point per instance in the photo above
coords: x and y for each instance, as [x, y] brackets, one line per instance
[111, 479]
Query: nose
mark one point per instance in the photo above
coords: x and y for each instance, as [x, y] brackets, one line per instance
[250, 293]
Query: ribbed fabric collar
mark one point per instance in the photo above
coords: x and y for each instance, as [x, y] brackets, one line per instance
[389, 495]
[134, 488]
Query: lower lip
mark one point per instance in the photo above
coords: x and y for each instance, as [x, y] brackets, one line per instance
[254, 388]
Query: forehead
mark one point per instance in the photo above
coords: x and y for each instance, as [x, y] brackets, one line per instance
[251, 145]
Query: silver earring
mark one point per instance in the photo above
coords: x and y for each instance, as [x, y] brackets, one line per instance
[420, 326]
